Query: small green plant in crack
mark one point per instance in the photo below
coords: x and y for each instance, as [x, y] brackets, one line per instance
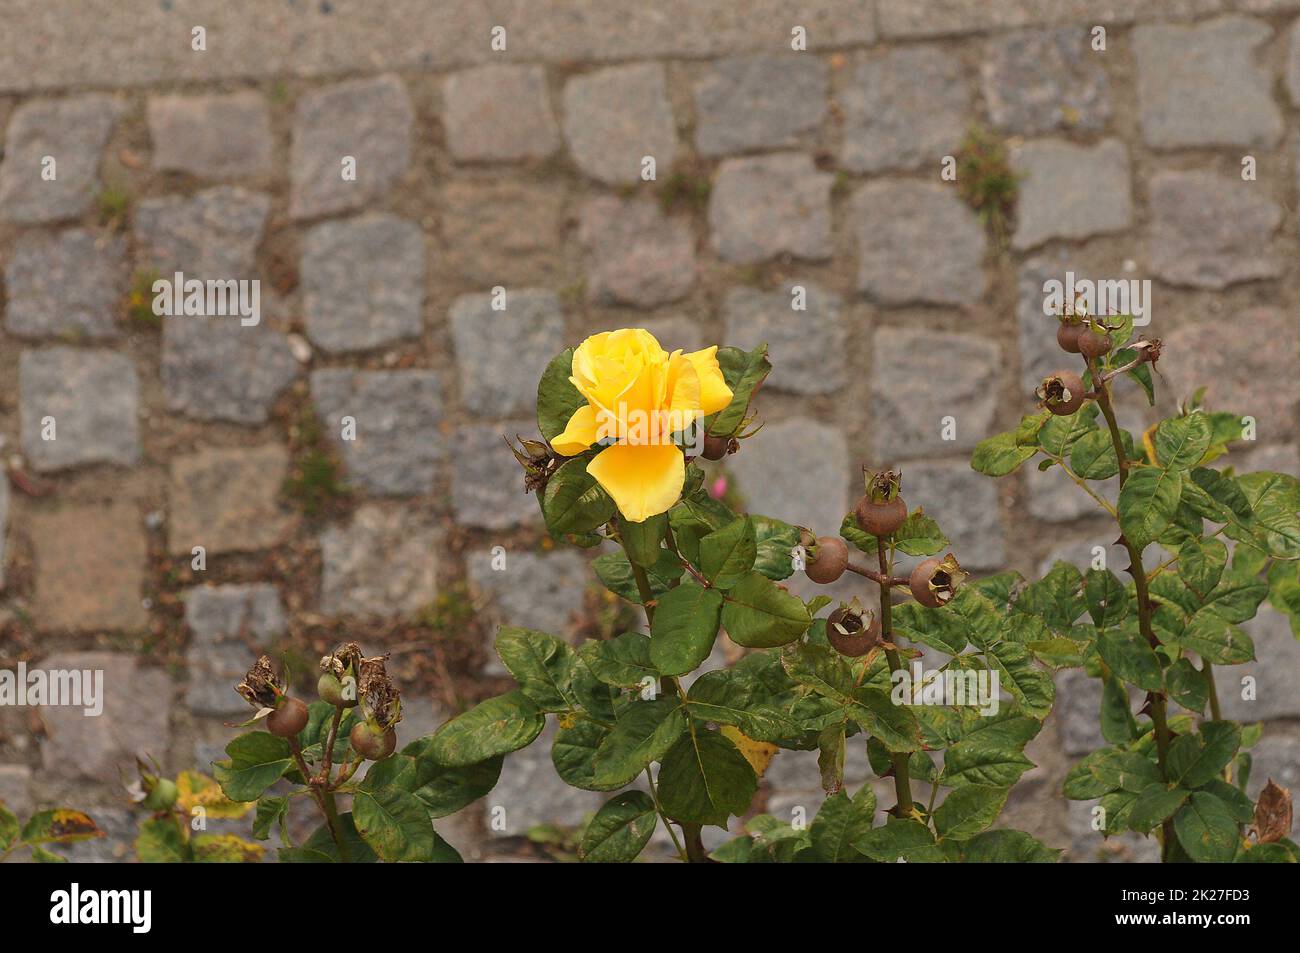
[113, 202]
[315, 481]
[685, 188]
[986, 181]
[450, 613]
[139, 299]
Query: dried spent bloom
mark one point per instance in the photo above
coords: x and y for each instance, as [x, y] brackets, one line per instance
[260, 687]
[538, 461]
[344, 659]
[380, 699]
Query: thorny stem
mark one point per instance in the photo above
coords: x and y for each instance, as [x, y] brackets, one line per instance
[324, 800]
[324, 777]
[877, 576]
[902, 782]
[1158, 699]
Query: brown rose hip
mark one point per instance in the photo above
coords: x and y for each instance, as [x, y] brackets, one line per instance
[1062, 393]
[853, 631]
[828, 560]
[289, 718]
[934, 581]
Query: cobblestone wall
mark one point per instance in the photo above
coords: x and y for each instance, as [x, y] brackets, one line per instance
[523, 168]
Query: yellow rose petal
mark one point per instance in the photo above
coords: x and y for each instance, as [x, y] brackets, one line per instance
[643, 480]
[714, 392]
[580, 433]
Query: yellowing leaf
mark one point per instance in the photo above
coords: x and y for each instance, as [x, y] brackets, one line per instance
[759, 754]
[225, 849]
[198, 790]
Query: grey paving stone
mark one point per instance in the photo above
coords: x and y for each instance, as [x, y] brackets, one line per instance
[383, 563]
[1054, 497]
[15, 780]
[369, 120]
[1210, 231]
[94, 398]
[1248, 371]
[917, 244]
[964, 503]
[539, 591]
[759, 101]
[90, 563]
[227, 499]
[765, 206]
[616, 116]
[795, 470]
[498, 114]
[907, 18]
[225, 623]
[211, 235]
[634, 253]
[531, 793]
[1040, 81]
[397, 416]
[1201, 84]
[72, 132]
[1279, 458]
[1071, 192]
[918, 379]
[905, 108]
[402, 34]
[1293, 62]
[1274, 673]
[1077, 712]
[487, 484]
[807, 348]
[217, 369]
[214, 136]
[500, 355]
[76, 746]
[65, 283]
[1276, 757]
[676, 332]
[1089, 846]
[363, 282]
[503, 232]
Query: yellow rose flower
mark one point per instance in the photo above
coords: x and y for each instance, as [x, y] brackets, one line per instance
[638, 397]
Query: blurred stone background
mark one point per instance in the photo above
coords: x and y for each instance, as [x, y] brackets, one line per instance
[521, 168]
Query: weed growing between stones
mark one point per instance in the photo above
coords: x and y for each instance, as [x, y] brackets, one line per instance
[986, 181]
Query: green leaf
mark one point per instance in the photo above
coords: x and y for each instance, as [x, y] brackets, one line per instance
[620, 830]
[684, 628]
[1025, 681]
[1275, 500]
[9, 826]
[1194, 761]
[272, 810]
[1206, 829]
[704, 779]
[1093, 456]
[1201, 563]
[1059, 434]
[824, 671]
[775, 542]
[1223, 490]
[1118, 725]
[643, 541]
[1056, 598]
[395, 825]
[493, 727]
[257, 760]
[1181, 442]
[623, 661]
[1187, 685]
[1008, 847]
[557, 398]
[991, 754]
[1147, 502]
[644, 733]
[937, 628]
[727, 554]
[1107, 599]
[615, 572]
[1131, 658]
[907, 839]
[1109, 770]
[321, 844]
[743, 371]
[574, 502]
[1216, 640]
[999, 455]
[841, 822]
[919, 535]
[1142, 375]
[1153, 805]
[728, 697]
[759, 614]
[160, 842]
[574, 755]
[968, 810]
[542, 665]
[444, 791]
